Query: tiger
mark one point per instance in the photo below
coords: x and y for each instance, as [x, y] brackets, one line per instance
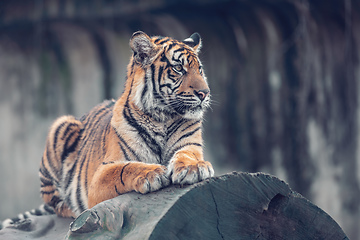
[148, 139]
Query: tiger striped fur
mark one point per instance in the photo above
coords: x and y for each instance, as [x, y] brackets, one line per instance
[41, 211]
[147, 139]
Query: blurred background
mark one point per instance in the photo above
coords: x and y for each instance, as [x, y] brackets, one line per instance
[284, 76]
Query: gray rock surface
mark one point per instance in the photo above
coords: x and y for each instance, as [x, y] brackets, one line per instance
[232, 206]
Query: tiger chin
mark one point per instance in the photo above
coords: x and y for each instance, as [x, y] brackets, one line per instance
[146, 140]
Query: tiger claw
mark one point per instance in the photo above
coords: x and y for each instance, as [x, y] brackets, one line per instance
[152, 181]
[191, 172]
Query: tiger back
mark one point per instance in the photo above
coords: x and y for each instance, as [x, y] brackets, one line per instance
[149, 138]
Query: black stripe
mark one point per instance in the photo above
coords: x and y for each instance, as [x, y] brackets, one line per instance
[175, 126]
[132, 68]
[155, 93]
[69, 201]
[127, 146]
[122, 172]
[145, 89]
[131, 86]
[164, 41]
[180, 55]
[159, 133]
[68, 128]
[165, 59]
[69, 177]
[86, 161]
[45, 172]
[171, 46]
[187, 135]
[124, 152]
[106, 163]
[56, 136]
[47, 192]
[72, 147]
[174, 123]
[46, 185]
[180, 49]
[160, 73]
[85, 119]
[150, 142]
[158, 39]
[68, 140]
[168, 85]
[117, 191]
[183, 94]
[78, 199]
[171, 76]
[54, 201]
[177, 86]
[50, 160]
[45, 182]
[176, 60]
[189, 60]
[189, 126]
[37, 212]
[48, 209]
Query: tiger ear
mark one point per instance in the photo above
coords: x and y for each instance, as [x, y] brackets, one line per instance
[194, 41]
[142, 47]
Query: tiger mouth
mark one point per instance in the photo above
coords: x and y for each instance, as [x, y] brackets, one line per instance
[184, 108]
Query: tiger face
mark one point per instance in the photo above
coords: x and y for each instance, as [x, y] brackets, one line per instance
[175, 83]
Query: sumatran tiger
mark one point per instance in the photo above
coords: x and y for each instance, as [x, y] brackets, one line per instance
[147, 139]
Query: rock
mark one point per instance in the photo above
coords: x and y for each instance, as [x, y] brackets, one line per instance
[232, 206]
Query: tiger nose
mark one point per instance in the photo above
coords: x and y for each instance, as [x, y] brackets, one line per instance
[201, 94]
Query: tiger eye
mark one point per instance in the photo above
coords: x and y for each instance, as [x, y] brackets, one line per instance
[178, 68]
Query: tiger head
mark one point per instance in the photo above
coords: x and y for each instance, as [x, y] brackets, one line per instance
[167, 76]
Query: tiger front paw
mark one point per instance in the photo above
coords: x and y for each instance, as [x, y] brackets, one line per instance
[186, 170]
[152, 179]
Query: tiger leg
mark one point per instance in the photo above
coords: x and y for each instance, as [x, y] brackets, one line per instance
[60, 148]
[113, 179]
[188, 167]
